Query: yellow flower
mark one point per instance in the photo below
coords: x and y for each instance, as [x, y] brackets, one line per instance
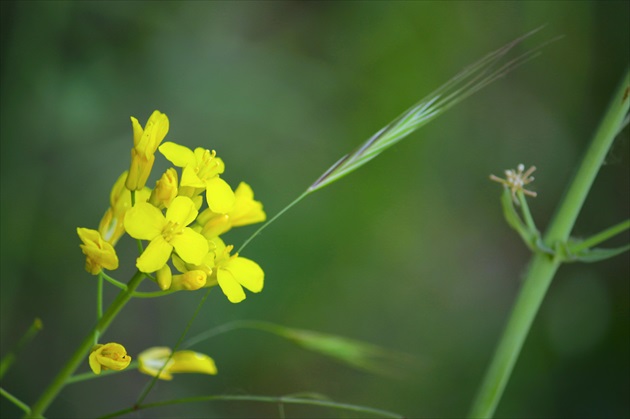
[245, 211]
[153, 359]
[235, 272]
[145, 142]
[111, 226]
[146, 222]
[110, 356]
[165, 189]
[99, 253]
[201, 171]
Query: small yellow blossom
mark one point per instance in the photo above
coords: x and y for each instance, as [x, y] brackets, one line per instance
[145, 143]
[165, 189]
[99, 253]
[233, 272]
[110, 356]
[246, 211]
[516, 180]
[153, 359]
[111, 226]
[201, 170]
[146, 222]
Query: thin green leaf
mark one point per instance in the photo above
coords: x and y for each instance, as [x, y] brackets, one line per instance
[597, 254]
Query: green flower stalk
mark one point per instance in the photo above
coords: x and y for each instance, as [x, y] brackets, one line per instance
[543, 266]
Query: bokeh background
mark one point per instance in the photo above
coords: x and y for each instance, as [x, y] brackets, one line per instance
[410, 253]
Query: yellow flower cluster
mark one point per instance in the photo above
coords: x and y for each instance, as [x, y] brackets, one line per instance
[171, 218]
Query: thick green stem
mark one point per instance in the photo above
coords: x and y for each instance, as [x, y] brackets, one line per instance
[61, 379]
[543, 267]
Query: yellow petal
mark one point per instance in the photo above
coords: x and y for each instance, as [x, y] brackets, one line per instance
[247, 273]
[118, 191]
[246, 210]
[144, 221]
[94, 364]
[154, 132]
[244, 191]
[230, 287]
[151, 361]
[99, 253]
[137, 131]
[177, 154]
[190, 361]
[191, 246]
[139, 170]
[219, 195]
[182, 211]
[110, 356]
[190, 178]
[155, 255]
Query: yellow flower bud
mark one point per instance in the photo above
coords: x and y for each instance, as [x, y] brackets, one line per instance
[164, 277]
[110, 356]
[99, 253]
[145, 143]
[190, 281]
[165, 189]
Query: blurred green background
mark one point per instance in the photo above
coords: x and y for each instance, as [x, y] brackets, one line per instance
[411, 252]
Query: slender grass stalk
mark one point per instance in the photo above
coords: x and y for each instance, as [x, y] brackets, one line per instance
[70, 367]
[543, 267]
[469, 81]
[9, 358]
[261, 399]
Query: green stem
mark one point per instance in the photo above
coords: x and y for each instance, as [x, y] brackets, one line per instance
[275, 217]
[543, 267]
[563, 222]
[99, 302]
[600, 237]
[113, 281]
[529, 220]
[62, 377]
[9, 358]
[261, 399]
[152, 294]
[19, 403]
[104, 373]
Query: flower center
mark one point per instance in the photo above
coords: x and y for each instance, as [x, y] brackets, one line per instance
[207, 166]
[170, 230]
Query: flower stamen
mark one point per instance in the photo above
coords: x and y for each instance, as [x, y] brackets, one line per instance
[516, 180]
